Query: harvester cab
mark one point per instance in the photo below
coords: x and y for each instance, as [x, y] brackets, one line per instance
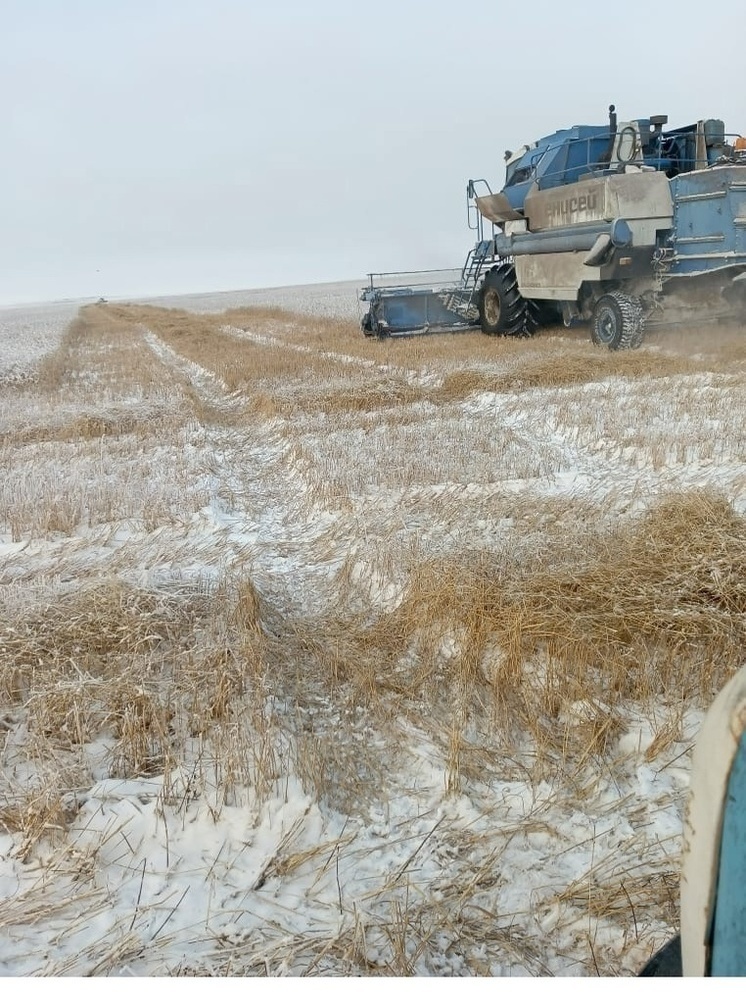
[587, 151]
[596, 223]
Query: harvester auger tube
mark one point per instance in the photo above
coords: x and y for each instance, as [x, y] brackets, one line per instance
[502, 310]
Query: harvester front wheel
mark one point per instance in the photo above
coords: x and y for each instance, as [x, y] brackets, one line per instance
[502, 309]
[618, 321]
[366, 324]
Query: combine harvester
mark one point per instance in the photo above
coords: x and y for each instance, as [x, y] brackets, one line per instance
[605, 224]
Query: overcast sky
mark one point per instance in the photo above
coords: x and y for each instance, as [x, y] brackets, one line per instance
[166, 146]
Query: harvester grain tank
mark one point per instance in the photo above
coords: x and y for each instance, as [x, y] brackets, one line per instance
[604, 224]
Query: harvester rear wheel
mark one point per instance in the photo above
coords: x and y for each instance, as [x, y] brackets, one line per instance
[618, 321]
[502, 310]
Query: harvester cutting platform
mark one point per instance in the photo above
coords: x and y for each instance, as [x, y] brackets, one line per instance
[605, 224]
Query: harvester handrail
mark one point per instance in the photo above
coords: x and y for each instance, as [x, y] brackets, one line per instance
[412, 277]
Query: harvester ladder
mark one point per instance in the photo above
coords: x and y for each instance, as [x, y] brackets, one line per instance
[462, 301]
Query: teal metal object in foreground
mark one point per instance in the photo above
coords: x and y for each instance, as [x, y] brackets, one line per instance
[728, 940]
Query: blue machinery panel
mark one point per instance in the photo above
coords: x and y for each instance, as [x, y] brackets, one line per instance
[709, 224]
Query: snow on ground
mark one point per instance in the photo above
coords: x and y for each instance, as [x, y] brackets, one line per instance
[27, 333]
[333, 300]
[454, 868]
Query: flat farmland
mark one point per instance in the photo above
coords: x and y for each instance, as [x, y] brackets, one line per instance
[327, 655]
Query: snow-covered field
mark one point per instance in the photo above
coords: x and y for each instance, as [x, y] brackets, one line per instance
[325, 655]
[335, 300]
[28, 333]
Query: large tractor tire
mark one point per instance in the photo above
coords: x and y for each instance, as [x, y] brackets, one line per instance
[502, 310]
[618, 321]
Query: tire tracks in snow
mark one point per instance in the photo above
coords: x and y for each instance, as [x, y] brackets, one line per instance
[415, 378]
[263, 515]
[208, 387]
